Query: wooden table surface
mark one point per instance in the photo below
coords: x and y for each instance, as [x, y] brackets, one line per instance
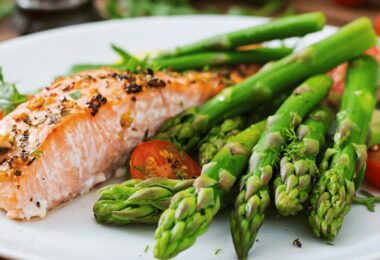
[336, 15]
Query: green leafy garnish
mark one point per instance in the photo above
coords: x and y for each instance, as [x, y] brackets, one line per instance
[37, 153]
[138, 168]
[369, 200]
[127, 63]
[75, 95]
[10, 98]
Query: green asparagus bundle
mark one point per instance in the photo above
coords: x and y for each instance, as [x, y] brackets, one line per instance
[136, 201]
[332, 195]
[191, 210]
[200, 60]
[254, 198]
[298, 166]
[298, 25]
[351, 40]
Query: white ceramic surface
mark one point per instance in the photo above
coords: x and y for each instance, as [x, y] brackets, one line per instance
[70, 232]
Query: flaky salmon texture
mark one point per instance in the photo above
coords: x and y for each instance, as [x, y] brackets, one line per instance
[77, 131]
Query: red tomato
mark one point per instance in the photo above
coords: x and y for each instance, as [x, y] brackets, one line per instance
[372, 172]
[338, 74]
[377, 24]
[374, 52]
[162, 159]
[351, 2]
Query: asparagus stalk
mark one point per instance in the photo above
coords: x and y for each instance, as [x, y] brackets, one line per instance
[200, 60]
[282, 28]
[136, 201]
[191, 210]
[350, 41]
[218, 135]
[374, 133]
[194, 61]
[298, 166]
[332, 195]
[253, 199]
[217, 138]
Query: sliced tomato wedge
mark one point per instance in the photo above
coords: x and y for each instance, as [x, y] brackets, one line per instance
[372, 173]
[162, 159]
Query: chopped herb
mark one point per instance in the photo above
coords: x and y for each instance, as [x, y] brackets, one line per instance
[10, 98]
[297, 243]
[146, 249]
[218, 251]
[127, 63]
[330, 244]
[138, 168]
[37, 153]
[75, 95]
[369, 201]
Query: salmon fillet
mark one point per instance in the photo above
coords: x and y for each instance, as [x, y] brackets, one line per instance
[75, 132]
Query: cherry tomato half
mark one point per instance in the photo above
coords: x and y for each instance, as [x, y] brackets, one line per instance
[162, 159]
[372, 172]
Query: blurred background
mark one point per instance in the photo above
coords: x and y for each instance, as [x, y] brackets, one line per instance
[21, 17]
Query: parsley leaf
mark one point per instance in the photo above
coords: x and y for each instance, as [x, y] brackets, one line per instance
[127, 62]
[75, 95]
[10, 98]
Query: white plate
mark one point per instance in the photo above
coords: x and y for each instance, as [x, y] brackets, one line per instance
[71, 231]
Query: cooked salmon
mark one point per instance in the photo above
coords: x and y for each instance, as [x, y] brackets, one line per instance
[78, 130]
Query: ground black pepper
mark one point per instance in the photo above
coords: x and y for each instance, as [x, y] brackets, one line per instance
[95, 103]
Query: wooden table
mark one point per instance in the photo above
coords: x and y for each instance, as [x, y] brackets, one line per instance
[337, 15]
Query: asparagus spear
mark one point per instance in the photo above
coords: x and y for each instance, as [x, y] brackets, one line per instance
[253, 199]
[298, 166]
[191, 210]
[332, 195]
[218, 135]
[136, 201]
[374, 137]
[350, 41]
[217, 138]
[200, 60]
[282, 28]
[194, 61]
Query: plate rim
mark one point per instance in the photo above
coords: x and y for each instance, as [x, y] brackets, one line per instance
[14, 253]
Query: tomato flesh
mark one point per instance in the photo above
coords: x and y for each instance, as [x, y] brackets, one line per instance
[338, 74]
[377, 24]
[351, 2]
[162, 159]
[373, 168]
